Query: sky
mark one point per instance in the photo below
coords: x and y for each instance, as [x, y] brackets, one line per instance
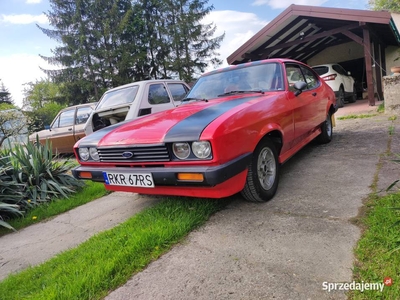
[22, 42]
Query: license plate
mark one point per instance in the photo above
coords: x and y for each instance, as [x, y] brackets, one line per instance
[129, 179]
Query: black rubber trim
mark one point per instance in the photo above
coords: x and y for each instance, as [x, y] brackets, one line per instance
[167, 176]
[93, 139]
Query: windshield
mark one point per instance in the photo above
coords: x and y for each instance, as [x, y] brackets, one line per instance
[118, 97]
[254, 78]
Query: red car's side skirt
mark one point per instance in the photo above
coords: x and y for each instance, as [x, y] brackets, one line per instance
[288, 154]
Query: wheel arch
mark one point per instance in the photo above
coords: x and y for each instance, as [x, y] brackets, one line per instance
[275, 135]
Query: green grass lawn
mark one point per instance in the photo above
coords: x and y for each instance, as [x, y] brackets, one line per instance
[378, 251]
[355, 116]
[109, 258]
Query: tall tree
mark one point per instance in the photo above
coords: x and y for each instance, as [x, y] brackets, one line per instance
[12, 124]
[41, 92]
[194, 47]
[106, 43]
[43, 100]
[98, 40]
[5, 96]
[390, 5]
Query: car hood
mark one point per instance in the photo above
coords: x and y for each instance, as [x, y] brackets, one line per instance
[42, 134]
[183, 123]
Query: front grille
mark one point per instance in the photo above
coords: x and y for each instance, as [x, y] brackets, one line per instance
[140, 154]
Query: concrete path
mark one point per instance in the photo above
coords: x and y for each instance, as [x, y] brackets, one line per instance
[39, 242]
[283, 249]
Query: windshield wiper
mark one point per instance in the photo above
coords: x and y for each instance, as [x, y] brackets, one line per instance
[241, 92]
[196, 99]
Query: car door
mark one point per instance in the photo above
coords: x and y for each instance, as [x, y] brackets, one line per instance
[306, 106]
[158, 99]
[62, 131]
[82, 115]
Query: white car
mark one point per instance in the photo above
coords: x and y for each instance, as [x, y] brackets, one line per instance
[339, 80]
[134, 100]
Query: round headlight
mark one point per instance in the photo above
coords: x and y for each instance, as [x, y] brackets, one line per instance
[94, 154]
[84, 153]
[181, 150]
[201, 149]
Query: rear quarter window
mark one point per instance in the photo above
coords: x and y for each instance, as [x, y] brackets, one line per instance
[321, 70]
[178, 91]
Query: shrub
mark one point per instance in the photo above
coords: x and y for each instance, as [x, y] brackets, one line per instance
[9, 195]
[31, 175]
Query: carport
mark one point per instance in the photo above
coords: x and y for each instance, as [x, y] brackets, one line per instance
[319, 34]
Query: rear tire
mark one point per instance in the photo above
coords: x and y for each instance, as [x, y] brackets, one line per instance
[263, 173]
[353, 97]
[340, 99]
[326, 131]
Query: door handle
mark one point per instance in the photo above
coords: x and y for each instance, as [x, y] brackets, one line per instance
[69, 129]
[314, 94]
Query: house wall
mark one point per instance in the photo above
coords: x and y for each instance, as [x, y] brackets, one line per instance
[393, 52]
[337, 54]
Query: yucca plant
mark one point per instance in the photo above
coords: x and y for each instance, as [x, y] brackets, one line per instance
[43, 176]
[10, 194]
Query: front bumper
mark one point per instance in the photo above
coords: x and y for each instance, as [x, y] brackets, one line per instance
[336, 108]
[167, 176]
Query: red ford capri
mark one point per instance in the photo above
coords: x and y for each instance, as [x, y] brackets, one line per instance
[231, 133]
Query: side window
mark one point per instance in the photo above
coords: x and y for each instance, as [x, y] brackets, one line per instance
[67, 118]
[158, 94]
[56, 122]
[82, 115]
[178, 91]
[311, 80]
[339, 69]
[293, 74]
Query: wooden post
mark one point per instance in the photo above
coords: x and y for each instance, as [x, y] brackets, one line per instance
[368, 67]
[377, 70]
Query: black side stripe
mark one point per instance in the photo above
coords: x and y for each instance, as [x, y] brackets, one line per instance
[191, 128]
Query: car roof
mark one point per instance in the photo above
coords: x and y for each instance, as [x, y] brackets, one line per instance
[257, 62]
[80, 105]
[142, 82]
[325, 65]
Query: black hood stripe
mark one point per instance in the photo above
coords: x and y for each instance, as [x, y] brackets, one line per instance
[190, 129]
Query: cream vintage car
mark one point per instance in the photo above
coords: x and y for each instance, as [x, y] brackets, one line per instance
[66, 129]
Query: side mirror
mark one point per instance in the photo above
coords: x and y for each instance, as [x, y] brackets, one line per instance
[349, 73]
[299, 86]
[47, 127]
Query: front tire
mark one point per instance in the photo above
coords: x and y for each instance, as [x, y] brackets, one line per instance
[263, 173]
[326, 130]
